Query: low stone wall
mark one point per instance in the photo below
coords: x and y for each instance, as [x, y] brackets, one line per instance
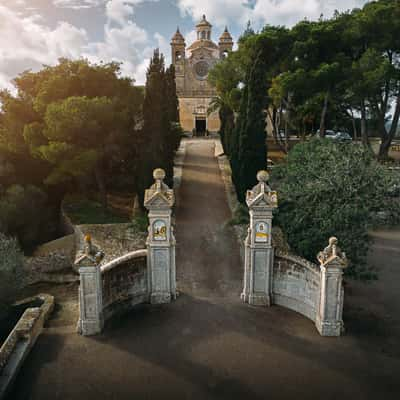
[296, 285]
[21, 340]
[124, 283]
[115, 240]
[51, 261]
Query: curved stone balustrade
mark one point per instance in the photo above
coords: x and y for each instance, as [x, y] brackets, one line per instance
[296, 285]
[124, 283]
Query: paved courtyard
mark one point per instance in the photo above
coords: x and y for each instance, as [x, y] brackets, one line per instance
[209, 345]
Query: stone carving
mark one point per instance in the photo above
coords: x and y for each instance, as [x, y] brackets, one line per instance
[332, 253]
[159, 195]
[261, 194]
[90, 254]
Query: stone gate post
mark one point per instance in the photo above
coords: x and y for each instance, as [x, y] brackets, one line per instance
[91, 319]
[159, 200]
[259, 253]
[329, 321]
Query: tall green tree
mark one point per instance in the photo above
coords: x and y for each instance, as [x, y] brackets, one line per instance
[161, 132]
[69, 121]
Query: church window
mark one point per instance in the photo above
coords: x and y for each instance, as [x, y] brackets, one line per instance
[201, 69]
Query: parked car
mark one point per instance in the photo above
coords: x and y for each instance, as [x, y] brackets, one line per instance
[336, 135]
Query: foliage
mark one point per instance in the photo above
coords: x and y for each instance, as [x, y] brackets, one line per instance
[250, 132]
[338, 73]
[161, 130]
[240, 216]
[68, 122]
[331, 189]
[85, 211]
[26, 214]
[11, 262]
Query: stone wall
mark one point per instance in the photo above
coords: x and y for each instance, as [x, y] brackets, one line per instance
[187, 113]
[51, 262]
[124, 283]
[114, 240]
[296, 285]
[21, 340]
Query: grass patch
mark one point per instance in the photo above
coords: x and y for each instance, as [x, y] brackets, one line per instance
[83, 211]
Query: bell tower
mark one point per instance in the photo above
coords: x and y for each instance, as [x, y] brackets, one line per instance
[203, 29]
[225, 43]
[178, 47]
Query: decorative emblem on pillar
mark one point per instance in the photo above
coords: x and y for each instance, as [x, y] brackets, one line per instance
[259, 253]
[159, 200]
[329, 321]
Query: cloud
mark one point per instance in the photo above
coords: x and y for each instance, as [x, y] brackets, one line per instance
[77, 4]
[26, 42]
[288, 12]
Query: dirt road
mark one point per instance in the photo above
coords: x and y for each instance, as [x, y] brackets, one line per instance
[207, 344]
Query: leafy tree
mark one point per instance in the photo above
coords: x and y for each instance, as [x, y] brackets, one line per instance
[322, 196]
[11, 261]
[69, 121]
[379, 25]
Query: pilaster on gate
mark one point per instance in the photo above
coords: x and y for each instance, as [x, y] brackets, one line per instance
[91, 320]
[159, 200]
[333, 261]
[259, 253]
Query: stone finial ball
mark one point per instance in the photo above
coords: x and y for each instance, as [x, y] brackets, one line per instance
[159, 174]
[333, 240]
[262, 176]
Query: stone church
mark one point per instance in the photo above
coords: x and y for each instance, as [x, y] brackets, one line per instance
[192, 64]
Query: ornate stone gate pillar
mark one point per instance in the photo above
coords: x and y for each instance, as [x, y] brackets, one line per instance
[259, 253]
[91, 320]
[159, 200]
[329, 321]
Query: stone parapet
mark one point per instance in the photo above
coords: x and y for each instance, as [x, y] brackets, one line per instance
[22, 338]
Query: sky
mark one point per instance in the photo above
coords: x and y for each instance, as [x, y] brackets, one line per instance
[38, 32]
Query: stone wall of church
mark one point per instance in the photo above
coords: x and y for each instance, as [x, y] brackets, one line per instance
[189, 107]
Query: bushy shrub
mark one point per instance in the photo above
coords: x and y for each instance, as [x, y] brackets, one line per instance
[25, 213]
[332, 189]
[11, 261]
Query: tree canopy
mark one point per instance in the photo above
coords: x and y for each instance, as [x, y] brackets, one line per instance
[337, 73]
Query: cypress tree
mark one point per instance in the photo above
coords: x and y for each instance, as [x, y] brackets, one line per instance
[154, 120]
[252, 147]
[234, 146]
[161, 131]
[248, 146]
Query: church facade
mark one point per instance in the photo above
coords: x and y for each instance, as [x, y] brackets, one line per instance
[192, 65]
